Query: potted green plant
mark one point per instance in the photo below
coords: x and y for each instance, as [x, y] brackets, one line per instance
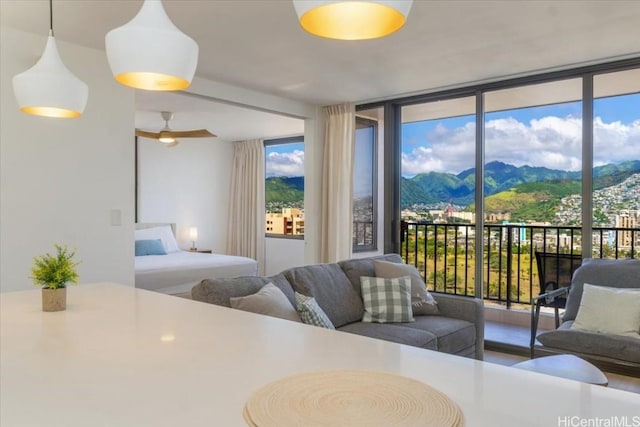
[53, 273]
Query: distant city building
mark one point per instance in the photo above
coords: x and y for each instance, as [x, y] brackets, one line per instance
[498, 217]
[466, 216]
[289, 222]
[627, 219]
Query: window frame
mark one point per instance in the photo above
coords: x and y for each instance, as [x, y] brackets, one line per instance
[374, 187]
[392, 140]
[299, 139]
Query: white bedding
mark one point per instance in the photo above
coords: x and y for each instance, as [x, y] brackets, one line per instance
[178, 272]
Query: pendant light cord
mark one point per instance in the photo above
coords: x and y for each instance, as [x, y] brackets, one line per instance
[51, 17]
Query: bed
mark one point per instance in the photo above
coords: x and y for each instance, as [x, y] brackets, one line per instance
[176, 271]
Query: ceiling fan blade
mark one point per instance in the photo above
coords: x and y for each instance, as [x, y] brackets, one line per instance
[198, 133]
[145, 134]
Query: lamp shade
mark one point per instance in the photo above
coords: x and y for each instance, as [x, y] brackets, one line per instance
[352, 19]
[150, 52]
[193, 233]
[49, 88]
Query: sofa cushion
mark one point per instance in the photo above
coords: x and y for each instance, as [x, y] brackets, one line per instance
[572, 340]
[311, 313]
[394, 333]
[608, 310]
[356, 268]
[270, 301]
[421, 300]
[220, 291]
[386, 300]
[454, 335]
[331, 289]
[618, 273]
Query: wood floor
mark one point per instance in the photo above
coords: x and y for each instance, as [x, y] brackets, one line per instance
[502, 339]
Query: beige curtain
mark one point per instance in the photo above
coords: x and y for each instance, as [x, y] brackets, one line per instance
[246, 202]
[337, 182]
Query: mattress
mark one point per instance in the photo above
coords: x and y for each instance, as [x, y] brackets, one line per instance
[178, 272]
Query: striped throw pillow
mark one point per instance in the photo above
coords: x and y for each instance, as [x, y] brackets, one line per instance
[311, 313]
[386, 300]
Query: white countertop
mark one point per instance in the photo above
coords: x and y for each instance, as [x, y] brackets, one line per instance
[120, 356]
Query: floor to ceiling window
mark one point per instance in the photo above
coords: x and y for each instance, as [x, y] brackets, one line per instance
[616, 161]
[532, 183]
[437, 191]
[557, 179]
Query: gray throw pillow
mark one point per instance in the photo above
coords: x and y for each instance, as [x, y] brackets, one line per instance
[311, 313]
[386, 300]
[422, 302]
[269, 300]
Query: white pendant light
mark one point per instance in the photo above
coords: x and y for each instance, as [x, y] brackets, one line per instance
[352, 19]
[48, 88]
[150, 52]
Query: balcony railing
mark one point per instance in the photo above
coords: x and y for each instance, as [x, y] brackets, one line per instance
[363, 236]
[445, 255]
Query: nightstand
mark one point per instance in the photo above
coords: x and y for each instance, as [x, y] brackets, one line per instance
[201, 251]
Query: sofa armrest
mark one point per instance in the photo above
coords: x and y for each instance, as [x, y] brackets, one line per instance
[464, 308]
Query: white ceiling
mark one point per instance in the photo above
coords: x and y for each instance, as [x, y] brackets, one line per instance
[258, 44]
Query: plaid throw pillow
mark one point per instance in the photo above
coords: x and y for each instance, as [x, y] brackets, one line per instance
[386, 300]
[311, 313]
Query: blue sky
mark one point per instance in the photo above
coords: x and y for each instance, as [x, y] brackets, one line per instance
[547, 136]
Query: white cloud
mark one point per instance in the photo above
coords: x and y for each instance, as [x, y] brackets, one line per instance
[552, 142]
[285, 164]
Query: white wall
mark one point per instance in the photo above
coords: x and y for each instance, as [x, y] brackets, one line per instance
[60, 179]
[314, 123]
[283, 253]
[188, 185]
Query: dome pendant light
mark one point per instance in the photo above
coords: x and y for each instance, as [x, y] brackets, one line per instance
[150, 52]
[48, 88]
[352, 19]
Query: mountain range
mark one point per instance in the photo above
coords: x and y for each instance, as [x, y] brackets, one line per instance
[524, 189]
[438, 187]
[283, 190]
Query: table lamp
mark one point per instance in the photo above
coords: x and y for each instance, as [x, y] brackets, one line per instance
[193, 235]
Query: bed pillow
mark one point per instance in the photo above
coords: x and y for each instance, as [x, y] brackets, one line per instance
[163, 233]
[422, 303]
[609, 310]
[269, 300]
[150, 247]
[311, 313]
[386, 300]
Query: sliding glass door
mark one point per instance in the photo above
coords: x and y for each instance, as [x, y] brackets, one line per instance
[437, 192]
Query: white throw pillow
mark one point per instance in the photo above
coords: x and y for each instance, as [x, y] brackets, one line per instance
[269, 300]
[609, 310]
[163, 233]
[422, 302]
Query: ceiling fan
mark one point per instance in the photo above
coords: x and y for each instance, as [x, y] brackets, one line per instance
[168, 136]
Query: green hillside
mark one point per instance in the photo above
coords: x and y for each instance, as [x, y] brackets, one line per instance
[284, 190]
[537, 201]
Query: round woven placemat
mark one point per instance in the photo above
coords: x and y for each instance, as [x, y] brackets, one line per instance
[350, 398]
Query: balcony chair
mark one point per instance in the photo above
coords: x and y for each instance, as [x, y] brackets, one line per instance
[555, 272]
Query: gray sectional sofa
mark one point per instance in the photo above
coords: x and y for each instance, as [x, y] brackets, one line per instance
[457, 329]
[615, 352]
